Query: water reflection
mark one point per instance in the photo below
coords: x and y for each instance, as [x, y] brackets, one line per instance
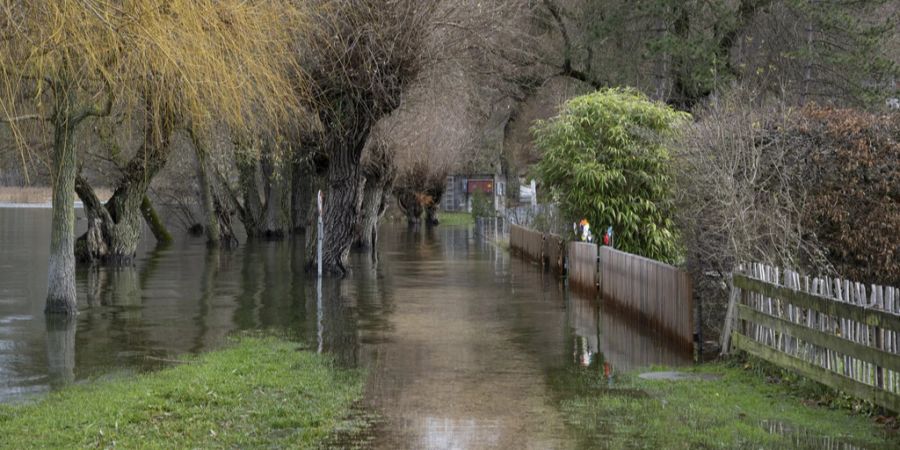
[61, 350]
[459, 339]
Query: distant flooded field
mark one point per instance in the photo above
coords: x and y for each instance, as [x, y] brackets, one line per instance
[29, 195]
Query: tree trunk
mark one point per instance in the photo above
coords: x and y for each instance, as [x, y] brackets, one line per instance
[213, 230]
[273, 190]
[61, 298]
[251, 212]
[341, 208]
[410, 205]
[371, 212]
[114, 229]
[153, 221]
[431, 215]
[302, 196]
[207, 198]
[435, 194]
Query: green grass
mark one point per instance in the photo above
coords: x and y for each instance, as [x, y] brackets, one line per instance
[456, 218]
[731, 412]
[260, 392]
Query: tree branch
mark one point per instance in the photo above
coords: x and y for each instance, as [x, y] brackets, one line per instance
[23, 118]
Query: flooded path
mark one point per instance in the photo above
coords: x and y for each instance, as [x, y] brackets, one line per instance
[466, 357]
[462, 343]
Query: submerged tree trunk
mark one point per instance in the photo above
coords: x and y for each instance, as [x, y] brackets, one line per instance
[302, 196]
[153, 221]
[435, 193]
[379, 172]
[251, 210]
[373, 207]
[275, 216]
[431, 214]
[213, 230]
[341, 206]
[61, 274]
[114, 229]
[411, 205]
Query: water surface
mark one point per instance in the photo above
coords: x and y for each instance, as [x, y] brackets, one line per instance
[461, 341]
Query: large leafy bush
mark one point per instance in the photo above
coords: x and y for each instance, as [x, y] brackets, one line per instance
[605, 158]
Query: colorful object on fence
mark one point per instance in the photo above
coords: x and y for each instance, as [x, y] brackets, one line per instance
[583, 231]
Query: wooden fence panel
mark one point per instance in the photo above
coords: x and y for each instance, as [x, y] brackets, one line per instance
[838, 332]
[582, 259]
[658, 292]
[527, 242]
[555, 253]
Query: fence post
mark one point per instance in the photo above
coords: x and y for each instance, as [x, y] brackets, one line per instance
[729, 317]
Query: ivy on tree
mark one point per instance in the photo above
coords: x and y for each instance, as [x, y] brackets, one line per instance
[604, 158]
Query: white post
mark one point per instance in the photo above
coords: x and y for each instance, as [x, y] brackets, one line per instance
[533, 194]
[320, 313]
[321, 236]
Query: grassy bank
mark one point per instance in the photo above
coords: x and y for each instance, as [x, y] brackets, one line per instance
[260, 392]
[741, 409]
[456, 218]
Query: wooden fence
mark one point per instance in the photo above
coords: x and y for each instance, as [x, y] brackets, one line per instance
[554, 253]
[834, 331]
[582, 260]
[527, 242]
[661, 294]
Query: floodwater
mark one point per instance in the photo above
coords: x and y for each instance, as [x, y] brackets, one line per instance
[460, 340]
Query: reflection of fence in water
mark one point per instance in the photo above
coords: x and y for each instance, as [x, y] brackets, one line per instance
[625, 344]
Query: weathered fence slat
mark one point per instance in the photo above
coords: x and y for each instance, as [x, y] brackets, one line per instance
[582, 258]
[845, 310]
[817, 373]
[838, 332]
[657, 291]
[815, 337]
[527, 242]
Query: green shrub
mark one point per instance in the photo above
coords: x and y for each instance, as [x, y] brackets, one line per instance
[604, 158]
[482, 205]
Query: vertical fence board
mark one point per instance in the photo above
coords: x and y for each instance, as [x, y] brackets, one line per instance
[848, 329]
[656, 291]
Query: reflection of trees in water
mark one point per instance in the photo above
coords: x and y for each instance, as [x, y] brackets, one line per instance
[61, 349]
[211, 264]
[272, 287]
[114, 327]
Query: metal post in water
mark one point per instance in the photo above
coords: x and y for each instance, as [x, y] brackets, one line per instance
[320, 313]
[321, 236]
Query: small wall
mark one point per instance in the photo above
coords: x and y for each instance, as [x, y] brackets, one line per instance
[657, 292]
[582, 264]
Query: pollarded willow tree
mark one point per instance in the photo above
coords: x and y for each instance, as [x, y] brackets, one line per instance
[605, 159]
[360, 57]
[167, 62]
